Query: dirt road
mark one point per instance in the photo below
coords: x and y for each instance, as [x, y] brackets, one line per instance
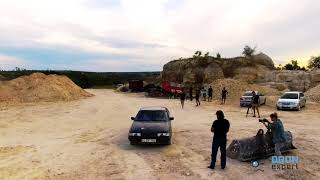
[87, 139]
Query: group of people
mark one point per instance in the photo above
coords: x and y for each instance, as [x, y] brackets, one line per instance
[224, 93]
[221, 126]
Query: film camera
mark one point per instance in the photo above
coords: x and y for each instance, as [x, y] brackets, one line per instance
[263, 120]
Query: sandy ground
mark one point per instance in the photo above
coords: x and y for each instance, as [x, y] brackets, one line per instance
[87, 139]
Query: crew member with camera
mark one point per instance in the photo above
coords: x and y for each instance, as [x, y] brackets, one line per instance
[278, 135]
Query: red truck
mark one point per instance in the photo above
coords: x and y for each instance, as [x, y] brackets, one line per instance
[171, 86]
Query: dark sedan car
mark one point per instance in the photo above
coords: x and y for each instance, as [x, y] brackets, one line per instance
[152, 125]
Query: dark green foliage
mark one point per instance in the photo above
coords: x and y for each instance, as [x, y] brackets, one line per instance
[293, 65]
[197, 54]
[89, 79]
[218, 56]
[314, 62]
[248, 51]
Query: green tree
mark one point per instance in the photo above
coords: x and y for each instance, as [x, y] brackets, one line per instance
[279, 67]
[314, 62]
[206, 54]
[248, 51]
[218, 56]
[198, 53]
[293, 65]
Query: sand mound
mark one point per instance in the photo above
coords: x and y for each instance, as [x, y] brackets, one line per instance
[236, 89]
[313, 94]
[40, 87]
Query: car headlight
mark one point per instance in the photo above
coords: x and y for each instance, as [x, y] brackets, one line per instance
[134, 134]
[163, 134]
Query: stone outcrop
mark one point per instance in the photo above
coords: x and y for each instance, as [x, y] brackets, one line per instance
[199, 70]
[257, 69]
[293, 80]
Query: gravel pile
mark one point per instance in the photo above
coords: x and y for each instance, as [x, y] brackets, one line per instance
[39, 87]
[313, 94]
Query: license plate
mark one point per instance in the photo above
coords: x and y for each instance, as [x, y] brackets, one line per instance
[149, 140]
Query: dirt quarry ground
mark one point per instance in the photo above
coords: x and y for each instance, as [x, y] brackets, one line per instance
[87, 139]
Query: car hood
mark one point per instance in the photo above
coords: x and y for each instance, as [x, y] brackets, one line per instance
[146, 127]
[288, 100]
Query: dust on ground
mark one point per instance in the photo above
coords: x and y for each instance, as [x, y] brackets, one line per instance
[87, 139]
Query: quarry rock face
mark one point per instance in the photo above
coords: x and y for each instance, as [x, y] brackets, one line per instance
[200, 70]
[256, 69]
[294, 80]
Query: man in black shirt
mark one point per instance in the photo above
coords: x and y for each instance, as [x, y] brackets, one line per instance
[198, 97]
[190, 93]
[220, 128]
[224, 93]
[210, 91]
[182, 98]
[255, 104]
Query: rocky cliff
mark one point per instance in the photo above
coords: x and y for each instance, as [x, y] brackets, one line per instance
[293, 80]
[199, 70]
[256, 69]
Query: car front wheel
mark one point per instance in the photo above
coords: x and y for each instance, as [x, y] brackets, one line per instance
[132, 143]
[299, 108]
[168, 142]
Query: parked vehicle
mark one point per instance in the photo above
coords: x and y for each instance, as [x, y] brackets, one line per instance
[152, 125]
[171, 86]
[246, 98]
[292, 100]
[136, 85]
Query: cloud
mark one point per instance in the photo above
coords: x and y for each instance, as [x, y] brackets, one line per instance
[156, 31]
[9, 62]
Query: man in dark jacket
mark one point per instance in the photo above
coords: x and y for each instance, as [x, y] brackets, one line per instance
[220, 128]
[190, 93]
[182, 98]
[210, 92]
[198, 97]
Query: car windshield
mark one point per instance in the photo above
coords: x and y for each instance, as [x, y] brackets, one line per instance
[289, 96]
[247, 94]
[152, 115]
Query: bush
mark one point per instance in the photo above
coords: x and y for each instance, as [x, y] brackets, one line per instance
[314, 62]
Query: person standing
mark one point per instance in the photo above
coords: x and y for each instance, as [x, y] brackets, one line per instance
[204, 93]
[210, 91]
[190, 93]
[255, 103]
[278, 135]
[220, 128]
[182, 98]
[224, 93]
[198, 97]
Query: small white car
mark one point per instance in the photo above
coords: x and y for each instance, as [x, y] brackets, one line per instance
[291, 100]
[246, 98]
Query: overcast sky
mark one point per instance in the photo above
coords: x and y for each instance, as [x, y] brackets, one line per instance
[142, 35]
